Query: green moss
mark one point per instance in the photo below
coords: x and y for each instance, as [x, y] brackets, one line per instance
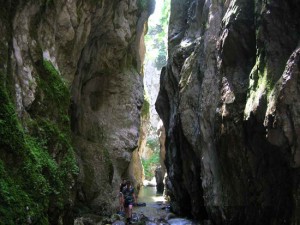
[37, 164]
[13, 200]
[53, 86]
[261, 77]
[53, 97]
[17, 180]
[261, 83]
[3, 50]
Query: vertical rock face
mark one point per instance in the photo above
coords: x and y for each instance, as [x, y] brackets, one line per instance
[135, 170]
[161, 133]
[151, 81]
[84, 57]
[107, 97]
[229, 103]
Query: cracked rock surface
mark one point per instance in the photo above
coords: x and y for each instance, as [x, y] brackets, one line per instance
[229, 103]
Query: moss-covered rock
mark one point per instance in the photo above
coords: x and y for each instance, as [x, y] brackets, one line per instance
[37, 162]
[32, 178]
[47, 49]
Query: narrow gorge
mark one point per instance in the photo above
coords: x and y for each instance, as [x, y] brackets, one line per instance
[74, 111]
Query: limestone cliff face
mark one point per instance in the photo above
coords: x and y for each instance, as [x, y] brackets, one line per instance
[75, 65]
[107, 96]
[151, 81]
[229, 103]
[135, 171]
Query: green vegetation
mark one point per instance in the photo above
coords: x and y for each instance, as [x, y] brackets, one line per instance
[261, 83]
[37, 162]
[161, 59]
[53, 91]
[151, 163]
[156, 39]
[153, 144]
[156, 45]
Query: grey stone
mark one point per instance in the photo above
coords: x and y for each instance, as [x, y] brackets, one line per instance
[230, 111]
[97, 49]
[159, 176]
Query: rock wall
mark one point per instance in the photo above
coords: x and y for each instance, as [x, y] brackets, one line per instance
[229, 103]
[135, 171]
[70, 82]
[151, 81]
[161, 133]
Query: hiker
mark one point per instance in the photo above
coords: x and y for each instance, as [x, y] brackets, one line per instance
[121, 199]
[129, 199]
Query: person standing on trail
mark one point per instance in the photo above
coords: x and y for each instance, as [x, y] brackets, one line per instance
[129, 199]
[121, 199]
